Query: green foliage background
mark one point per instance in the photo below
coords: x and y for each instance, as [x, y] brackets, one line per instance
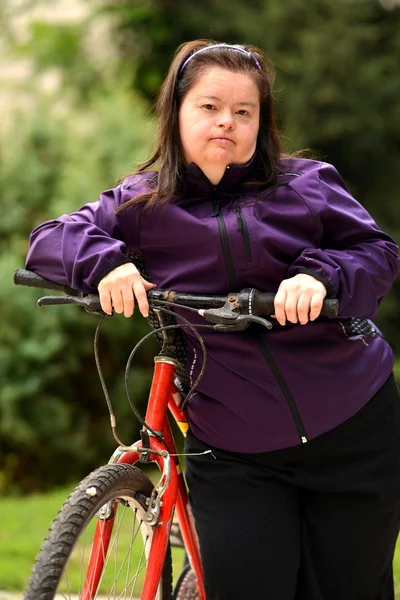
[337, 89]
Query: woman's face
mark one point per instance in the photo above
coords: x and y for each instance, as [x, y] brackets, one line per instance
[219, 120]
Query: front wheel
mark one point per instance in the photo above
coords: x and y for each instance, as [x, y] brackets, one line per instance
[115, 491]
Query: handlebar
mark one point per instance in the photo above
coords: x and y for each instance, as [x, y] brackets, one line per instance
[31, 279]
[221, 309]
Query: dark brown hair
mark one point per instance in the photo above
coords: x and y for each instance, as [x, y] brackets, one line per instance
[178, 82]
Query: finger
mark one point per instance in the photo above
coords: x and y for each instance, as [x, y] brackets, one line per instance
[117, 301]
[292, 299]
[105, 301]
[303, 308]
[128, 301]
[148, 285]
[141, 297]
[316, 306]
[279, 305]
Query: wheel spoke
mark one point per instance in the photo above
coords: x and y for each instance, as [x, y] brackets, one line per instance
[134, 578]
[69, 591]
[127, 553]
[129, 556]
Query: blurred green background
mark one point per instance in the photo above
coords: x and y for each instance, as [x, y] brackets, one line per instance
[77, 81]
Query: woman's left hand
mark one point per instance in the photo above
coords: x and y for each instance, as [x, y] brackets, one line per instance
[299, 299]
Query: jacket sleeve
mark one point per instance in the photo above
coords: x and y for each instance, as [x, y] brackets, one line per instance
[80, 248]
[357, 262]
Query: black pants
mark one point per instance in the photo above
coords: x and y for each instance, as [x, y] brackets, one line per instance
[314, 522]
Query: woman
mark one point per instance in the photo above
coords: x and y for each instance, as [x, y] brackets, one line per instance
[302, 499]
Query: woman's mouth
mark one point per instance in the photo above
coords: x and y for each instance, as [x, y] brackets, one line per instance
[222, 140]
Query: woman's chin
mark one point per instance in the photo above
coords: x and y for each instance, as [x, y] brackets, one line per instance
[222, 154]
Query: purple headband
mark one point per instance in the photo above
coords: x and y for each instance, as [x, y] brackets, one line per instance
[233, 47]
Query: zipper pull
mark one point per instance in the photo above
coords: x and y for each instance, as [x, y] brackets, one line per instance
[239, 219]
[215, 205]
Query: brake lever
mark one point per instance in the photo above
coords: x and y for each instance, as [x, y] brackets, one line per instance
[90, 302]
[227, 320]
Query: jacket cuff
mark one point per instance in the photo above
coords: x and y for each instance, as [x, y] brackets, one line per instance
[109, 268]
[300, 270]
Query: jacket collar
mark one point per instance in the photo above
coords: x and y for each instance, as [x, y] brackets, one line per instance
[195, 182]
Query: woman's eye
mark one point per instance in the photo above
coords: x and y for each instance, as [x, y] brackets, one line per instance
[244, 113]
[208, 106]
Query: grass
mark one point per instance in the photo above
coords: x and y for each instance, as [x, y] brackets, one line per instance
[24, 523]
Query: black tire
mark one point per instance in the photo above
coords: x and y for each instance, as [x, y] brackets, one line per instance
[186, 585]
[77, 517]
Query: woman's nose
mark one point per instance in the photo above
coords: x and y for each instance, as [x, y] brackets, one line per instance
[225, 119]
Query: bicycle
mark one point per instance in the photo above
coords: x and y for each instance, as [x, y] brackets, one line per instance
[120, 491]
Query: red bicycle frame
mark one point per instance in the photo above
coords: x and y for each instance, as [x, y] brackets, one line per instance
[171, 488]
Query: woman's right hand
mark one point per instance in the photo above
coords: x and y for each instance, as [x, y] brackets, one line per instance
[119, 288]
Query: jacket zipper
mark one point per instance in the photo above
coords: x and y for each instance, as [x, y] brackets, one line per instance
[284, 388]
[225, 243]
[261, 344]
[244, 230]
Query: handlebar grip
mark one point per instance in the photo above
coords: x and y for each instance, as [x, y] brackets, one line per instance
[263, 304]
[31, 279]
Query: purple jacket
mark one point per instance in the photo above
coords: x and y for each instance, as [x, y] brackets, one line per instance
[262, 390]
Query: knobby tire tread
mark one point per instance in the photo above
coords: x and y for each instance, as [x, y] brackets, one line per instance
[71, 520]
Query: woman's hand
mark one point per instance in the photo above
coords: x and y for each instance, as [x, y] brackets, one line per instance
[299, 299]
[119, 288]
